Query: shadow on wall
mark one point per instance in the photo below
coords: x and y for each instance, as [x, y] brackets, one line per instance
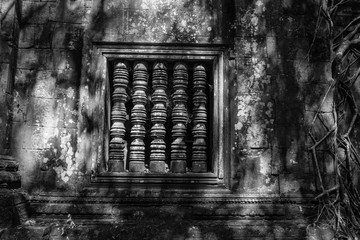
[169, 217]
[46, 93]
[272, 75]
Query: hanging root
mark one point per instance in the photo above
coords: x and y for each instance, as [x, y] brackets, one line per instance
[339, 204]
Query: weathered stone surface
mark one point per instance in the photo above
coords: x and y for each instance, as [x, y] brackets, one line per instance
[157, 22]
[67, 36]
[57, 110]
[250, 163]
[295, 186]
[5, 108]
[5, 51]
[38, 12]
[323, 91]
[160, 229]
[13, 208]
[8, 13]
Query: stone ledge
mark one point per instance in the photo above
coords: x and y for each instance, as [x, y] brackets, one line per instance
[157, 228]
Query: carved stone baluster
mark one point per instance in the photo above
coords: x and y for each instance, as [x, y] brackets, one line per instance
[118, 118]
[179, 119]
[158, 118]
[199, 132]
[138, 118]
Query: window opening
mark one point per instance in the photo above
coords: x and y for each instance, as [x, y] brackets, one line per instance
[160, 115]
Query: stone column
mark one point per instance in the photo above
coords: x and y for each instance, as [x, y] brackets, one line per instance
[199, 131]
[118, 118]
[179, 119]
[138, 118]
[158, 118]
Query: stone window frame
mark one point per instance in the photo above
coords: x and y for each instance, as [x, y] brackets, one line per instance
[104, 53]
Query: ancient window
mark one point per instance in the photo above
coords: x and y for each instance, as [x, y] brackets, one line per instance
[164, 109]
[159, 117]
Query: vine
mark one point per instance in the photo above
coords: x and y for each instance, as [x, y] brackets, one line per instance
[340, 202]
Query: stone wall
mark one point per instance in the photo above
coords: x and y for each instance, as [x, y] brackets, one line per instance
[276, 86]
[268, 67]
[9, 31]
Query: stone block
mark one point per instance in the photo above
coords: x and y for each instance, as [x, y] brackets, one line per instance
[319, 97]
[323, 231]
[19, 107]
[23, 79]
[37, 12]
[116, 166]
[274, 66]
[288, 95]
[243, 65]
[43, 112]
[7, 9]
[4, 78]
[40, 137]
[51, 112]
[157, 166]
[11, 214]
[291, 27]
[53, 171]
[44, 34]
[296, 186]
[35, 59]
[286, 135]
[67, 78]
[67, 36]
[9, 178]
[298, 8]
[31, 137]
[320, 51]
[272, 49]
[287, 48]
[176, 24]
[21, 136]
[45, 84]
[66, 60]
[314, 73]
[288, 149]
[250, 47]
[253, 173]
[68, 12]
[288, 113]
[3, 137]
[56, 180]
[253, 108]
[256, 136]
[251, 20]
[178, 166]
[277, 160]
[67, 112]
[5, 52]
[27, 36]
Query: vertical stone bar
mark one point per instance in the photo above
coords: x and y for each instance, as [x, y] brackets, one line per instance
[199, 132]
[138, 118]
[118, 118]
[179, 119]
[158, 118]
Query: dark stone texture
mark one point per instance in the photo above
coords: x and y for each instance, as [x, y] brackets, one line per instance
[13, 207]
[56, 113]
[160, 229]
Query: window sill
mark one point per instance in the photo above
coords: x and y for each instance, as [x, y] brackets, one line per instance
[152, 178]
